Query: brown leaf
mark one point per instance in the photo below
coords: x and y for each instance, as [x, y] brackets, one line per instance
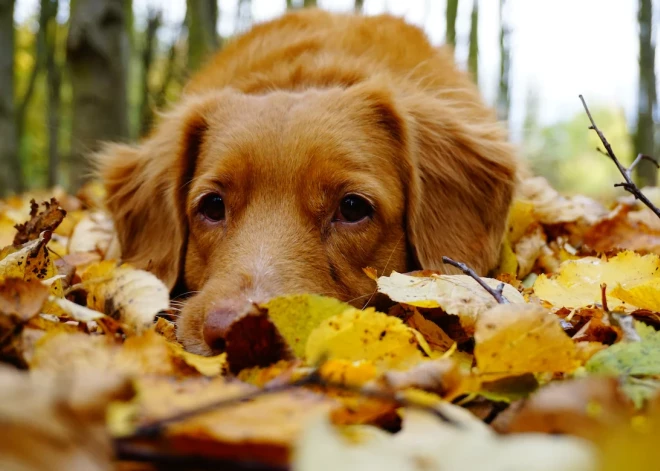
[40, 221]
[21, 300]
[437, 339]
[253, 340]
[620, 231]
[262, 429]
[579, 407]
[57, 422]
[442, 376]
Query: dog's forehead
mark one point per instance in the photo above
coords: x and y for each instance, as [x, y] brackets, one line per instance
[289, 134]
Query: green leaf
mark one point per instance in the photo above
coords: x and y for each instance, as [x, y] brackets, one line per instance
[636, 363]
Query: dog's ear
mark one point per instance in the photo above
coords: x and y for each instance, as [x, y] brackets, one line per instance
[463, 177]
[145, 188]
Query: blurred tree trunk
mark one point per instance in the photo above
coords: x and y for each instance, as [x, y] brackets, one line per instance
[146, 103]
[202, 16]
[452, 11]
[647, 94]
[54, 83]
[473, 54]
[11, 174]
[309, 3]
[503, 95]
[359, 5]
[39, 61]
[97, 53]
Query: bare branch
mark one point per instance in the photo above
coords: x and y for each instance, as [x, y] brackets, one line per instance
[496, 293]
[156, 428]
[628, 184]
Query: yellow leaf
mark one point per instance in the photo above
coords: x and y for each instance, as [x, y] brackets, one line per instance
[523, 338]
[296, 316]
[367, 335]
[208, 366]
[31, 261]
[455, 294]
[578, 282]
[521, 216]
[645, 295]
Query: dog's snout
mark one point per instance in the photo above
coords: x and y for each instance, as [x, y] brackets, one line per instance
[219, 320]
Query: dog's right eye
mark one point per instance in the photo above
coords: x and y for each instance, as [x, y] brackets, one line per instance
[212, 207]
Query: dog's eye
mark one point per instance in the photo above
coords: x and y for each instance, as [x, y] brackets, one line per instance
[353, 208]
[212, 207]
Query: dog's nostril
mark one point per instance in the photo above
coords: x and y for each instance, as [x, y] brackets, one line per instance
[218, 345]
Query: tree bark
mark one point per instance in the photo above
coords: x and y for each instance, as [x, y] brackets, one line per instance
[98, 54]
[503, 95]
[647, 94]
[202, 16]
[53, 83]
[309, 3]
[146, 103]
[359, 5]
[11, 174]
[452, 12]
[473, 54]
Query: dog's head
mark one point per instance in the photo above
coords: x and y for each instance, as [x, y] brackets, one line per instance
[244, 197]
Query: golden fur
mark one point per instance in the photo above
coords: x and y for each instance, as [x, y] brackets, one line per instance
[284, 122]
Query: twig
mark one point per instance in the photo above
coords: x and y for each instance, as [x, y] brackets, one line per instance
[628, 184]
[496, 293]
[155, 428]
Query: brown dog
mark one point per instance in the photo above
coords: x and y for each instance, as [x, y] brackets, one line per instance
[311, 147]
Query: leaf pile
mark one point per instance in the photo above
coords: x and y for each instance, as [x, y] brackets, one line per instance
[565, 375]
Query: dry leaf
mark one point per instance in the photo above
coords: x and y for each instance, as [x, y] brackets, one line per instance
[367, 335]
[426, 443]
[578, 282]
[455, 294]
[40, 221]
[513, 339]
[134, 297]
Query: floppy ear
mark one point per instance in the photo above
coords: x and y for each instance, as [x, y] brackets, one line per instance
[463, 177]
[145, 188]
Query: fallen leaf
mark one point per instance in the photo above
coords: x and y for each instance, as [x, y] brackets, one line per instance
[578, 282]
[40, 221]
[262, 429]
[297, 316]
[93, 233]
[636, 364]
[580, 407]
[552, 208]
[427, 443]
[31, 261]
[356, 335]
[528, 249]
[57, 422]
[455, 294]
[437, 339]
[21, 300]
[620, 231]
[134, 297]
[513, 339]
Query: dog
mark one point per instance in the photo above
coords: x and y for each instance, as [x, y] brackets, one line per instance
[309, 148]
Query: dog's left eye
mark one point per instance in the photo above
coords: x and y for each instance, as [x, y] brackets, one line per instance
[212, 207]
[353, 208]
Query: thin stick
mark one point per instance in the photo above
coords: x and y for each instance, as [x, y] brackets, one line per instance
[628, 184]
[496, 293]
[154, 429]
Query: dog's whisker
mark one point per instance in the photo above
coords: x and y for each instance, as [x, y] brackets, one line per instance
[384, 270]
